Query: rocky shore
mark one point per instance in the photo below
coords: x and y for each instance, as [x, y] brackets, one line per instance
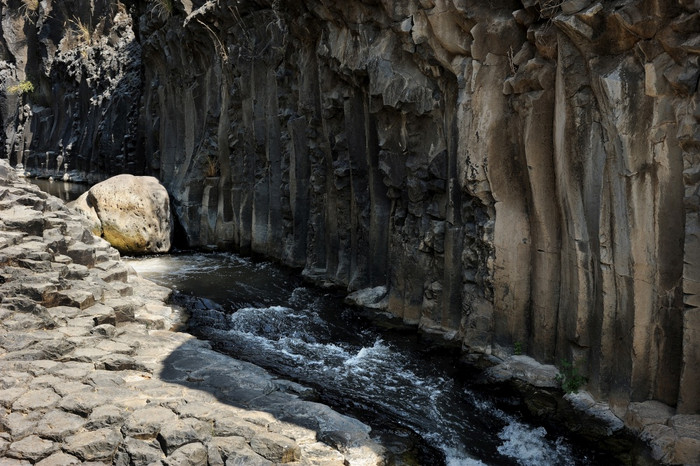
[92, 372]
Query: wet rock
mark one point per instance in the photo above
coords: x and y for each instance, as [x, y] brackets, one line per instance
[372, 298]
[526, 369]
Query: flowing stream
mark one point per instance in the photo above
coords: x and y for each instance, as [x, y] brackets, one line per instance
[389, 377]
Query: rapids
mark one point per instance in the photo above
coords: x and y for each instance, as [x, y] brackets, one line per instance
[391, 378]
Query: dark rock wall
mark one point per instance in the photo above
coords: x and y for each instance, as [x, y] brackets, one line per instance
[84, 63]
[522, 173]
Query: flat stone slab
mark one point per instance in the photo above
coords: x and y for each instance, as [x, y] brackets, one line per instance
[34, 400]
[57, 425]
[59, 459]
[526, 369]
[31, 448]
[275, 447]
[98, 445]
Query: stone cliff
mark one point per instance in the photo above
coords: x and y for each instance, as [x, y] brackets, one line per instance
[514, 174]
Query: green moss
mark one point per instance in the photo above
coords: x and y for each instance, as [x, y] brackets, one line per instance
[21, 88]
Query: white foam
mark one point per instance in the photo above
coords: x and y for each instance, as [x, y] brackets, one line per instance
[530, 447]
[452, 458]
[365, 354]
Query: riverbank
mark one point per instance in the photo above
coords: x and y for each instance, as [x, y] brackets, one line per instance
[91, 370]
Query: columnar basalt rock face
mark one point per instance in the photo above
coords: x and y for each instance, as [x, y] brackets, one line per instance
[519, 173]
[522, 173]
[84, 63]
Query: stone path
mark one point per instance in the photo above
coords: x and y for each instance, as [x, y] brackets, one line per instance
[91, 373]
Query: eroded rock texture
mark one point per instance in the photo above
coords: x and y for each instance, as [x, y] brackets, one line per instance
[513, 172]
[131, 212]
[84, 63]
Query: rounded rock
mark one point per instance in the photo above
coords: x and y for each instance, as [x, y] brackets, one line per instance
[133, 213]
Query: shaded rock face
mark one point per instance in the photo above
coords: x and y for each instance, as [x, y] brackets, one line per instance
[518, 174]
[131, 212]
[84, 63]
[512, 174]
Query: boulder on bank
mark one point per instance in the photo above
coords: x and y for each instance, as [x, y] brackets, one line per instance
[131, 212]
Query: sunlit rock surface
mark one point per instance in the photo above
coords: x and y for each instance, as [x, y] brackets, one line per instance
[90, 370]
[131, 212]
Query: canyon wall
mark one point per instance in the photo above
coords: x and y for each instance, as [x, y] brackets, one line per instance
[84, 64]
[517, 174]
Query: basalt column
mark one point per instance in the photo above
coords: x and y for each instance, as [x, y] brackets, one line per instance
[517, 176]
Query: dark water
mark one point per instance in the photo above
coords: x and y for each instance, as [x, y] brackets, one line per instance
[65, 191]
[391, 379]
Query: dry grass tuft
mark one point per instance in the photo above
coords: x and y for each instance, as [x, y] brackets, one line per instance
[83, 32]
[28, 7]
[212, 167]
[162, 8]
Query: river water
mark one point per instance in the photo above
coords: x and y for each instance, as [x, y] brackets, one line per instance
[59, 188]
[389, 377]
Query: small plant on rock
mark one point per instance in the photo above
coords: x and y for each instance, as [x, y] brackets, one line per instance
[28, 7]
[550, 7]
[162, 8]
[569, 377]
[83, 32]
[518, 348]
[212, 167]
[21, 88]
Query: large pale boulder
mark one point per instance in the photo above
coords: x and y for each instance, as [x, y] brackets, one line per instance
[131, 212]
